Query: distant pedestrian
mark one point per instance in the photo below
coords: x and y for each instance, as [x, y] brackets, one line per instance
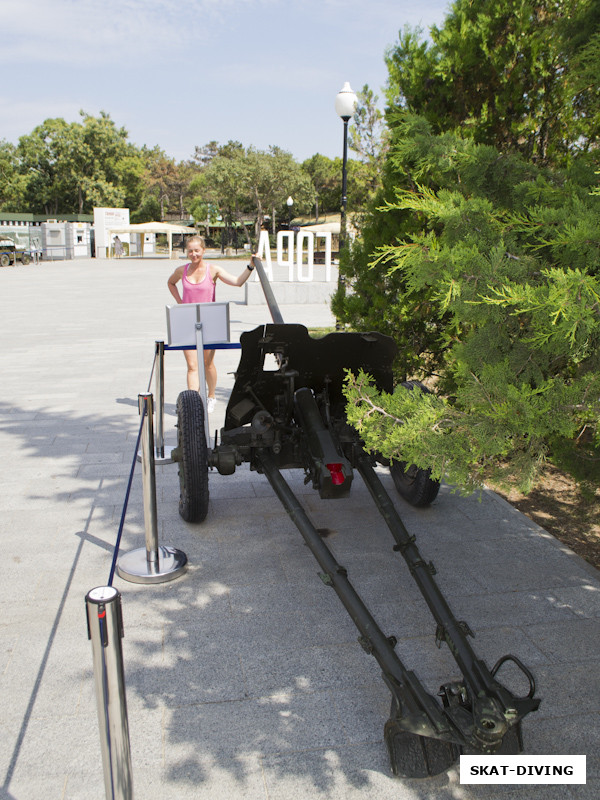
[198, 279]
[117, 247]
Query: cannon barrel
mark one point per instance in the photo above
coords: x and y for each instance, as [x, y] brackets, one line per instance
[276, 315]
[330, 470]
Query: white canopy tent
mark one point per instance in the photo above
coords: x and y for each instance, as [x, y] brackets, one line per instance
[323, 227]
[331, 227]
[142, 228]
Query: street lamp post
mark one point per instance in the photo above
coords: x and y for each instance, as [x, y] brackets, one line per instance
[345, 105]
[289, 202]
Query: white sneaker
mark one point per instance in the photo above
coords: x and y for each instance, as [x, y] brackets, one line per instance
[211, 403]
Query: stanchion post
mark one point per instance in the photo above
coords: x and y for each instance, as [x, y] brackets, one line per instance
[162, 455]
[105, 630]
[146, 406]
[154, 564]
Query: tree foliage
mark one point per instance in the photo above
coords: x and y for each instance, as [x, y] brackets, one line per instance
[12, 182]
[326, 176]
[509, 73]
[481, 253]
[72, 167]
[369, 137]
[239, 182]
[487, 272]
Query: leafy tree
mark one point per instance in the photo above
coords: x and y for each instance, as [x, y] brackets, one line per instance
[369, 136]
[241, 182]
[12, 183]
[48, 158]
[160, 177]
[326, 176]
[184, 174]
[204, 155]
[271, 177]
[502, 72]
[490, 281]
[481, 252]
[585, 88]
[71, 167]
[219, 190]
[109, 164]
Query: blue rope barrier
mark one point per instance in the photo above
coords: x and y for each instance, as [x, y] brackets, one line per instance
[222, 346]
[126, 503]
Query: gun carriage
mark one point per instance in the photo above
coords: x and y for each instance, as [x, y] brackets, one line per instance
[287, 411]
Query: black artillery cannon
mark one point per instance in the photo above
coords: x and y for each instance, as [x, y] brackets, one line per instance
[287, 411]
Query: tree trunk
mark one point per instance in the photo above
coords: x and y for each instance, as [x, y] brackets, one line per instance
[244, 228]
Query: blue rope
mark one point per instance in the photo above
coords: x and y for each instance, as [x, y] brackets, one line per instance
[125, 504]
[222, 346]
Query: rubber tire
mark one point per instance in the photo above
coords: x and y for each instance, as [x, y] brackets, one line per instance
[193, 457]
[25, 259]
[413, 484]
[4, 260]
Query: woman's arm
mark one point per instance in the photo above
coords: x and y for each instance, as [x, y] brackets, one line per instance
[172, 284]
[233, 280]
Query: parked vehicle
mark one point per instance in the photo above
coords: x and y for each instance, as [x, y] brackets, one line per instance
[10, 254]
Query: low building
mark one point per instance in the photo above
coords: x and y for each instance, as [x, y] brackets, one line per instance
[66, 237]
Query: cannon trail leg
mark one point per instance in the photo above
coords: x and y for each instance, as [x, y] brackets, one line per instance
[494, 712]
[426, 742]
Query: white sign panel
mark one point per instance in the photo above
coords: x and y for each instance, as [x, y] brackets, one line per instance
[104, 220]
[182, 319]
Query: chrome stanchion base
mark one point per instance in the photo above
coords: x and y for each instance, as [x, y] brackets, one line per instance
[135, 567]
[159, 459]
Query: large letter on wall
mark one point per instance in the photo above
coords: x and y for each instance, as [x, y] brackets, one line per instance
[264, 253]
[327, 236]
[289, 235]
[308, 235]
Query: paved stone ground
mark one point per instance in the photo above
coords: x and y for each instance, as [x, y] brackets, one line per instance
[244, 677]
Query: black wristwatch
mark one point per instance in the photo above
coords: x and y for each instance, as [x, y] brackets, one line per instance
[250, 267]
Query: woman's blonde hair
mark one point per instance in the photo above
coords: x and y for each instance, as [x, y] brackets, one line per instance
[195, 238]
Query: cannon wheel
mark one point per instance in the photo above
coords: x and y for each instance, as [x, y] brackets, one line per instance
[4, 260]
[193, 457]
[415, 485]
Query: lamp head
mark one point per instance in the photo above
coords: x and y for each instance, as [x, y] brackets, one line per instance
[345, 102]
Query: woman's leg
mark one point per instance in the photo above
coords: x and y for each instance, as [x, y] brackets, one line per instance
[193, 380]
[211, 372]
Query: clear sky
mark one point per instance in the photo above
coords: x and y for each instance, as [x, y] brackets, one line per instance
[180, 73]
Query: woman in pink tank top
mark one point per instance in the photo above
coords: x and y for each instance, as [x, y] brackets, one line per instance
[198, 280]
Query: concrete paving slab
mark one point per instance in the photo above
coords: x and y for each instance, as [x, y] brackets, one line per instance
[244, 677]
